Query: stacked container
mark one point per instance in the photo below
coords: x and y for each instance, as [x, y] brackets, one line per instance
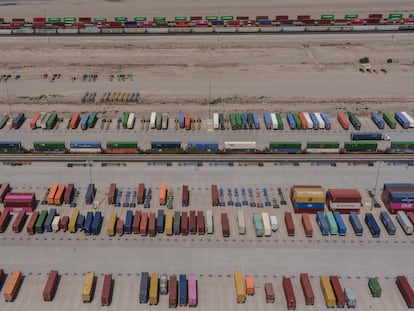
[398, 197]
[307, 199]
[15, 202]
[344, 200]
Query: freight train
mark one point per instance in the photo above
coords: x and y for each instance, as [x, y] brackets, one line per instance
[277, 147]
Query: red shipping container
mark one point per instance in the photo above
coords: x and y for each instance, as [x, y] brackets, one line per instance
[120, 226]
[303, 17]
[270, 293]
[307, 289]
[39, 19]
[281, 17]
[339, 293]
[4, 189]
[106, 290]
[324, 22]
[4, 220]
[143, 224]
[185, 196]
[70, 189]
[249, 23]
[344, 195]
[64, 222]
[289, 294]
[307, 226]
[51, 286]
[187, 121]
[303, 120]
[74, 121]
[406, 290]
[172, 292]
[225, 225]
[112, 193]
[19, 222]
[196, 18]
[233, 23]
[85, 20]
[184, 223]
[242, 18]
[262, 17]
[375, 15]
[290, 227]
[141, 193]
[193, 222]
[343, 120]
[136, 222]
[34, 120]
[201, 227]
[31, 225]
[214, 195]
[152, 224]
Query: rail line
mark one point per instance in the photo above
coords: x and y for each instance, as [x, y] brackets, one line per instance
[357, 158]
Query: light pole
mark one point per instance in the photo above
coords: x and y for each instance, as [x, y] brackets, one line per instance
[8, 99]
[376, 184]
[90, 164]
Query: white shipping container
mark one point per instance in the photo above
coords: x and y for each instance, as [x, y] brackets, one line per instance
[405, 222]
[216, 121]
[44, 120]
[275, 125]
[165, 121]
[408, 117]
[241, 222]
[350, 298]
[344, 205]
[320, 120]
[152, 119]
[322, 150]
[237, 145]
[38, 122]
[209, 222]
[131, 120]
[56, 223]
[273, 223]
[308, 120]
[267, 229]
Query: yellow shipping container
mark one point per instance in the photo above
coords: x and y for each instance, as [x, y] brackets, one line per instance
[239, 285]
[72, 221]
[328, 292]
[111, 224]
[88, 287]
[309, 196]
[168, 223]
[153, 294]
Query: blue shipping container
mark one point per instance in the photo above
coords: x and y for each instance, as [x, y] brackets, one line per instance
[323, 224]
[378, 120]
[264, 21]
[256, 120]
[160, 221]
[372, 225]
[402, 120]
[181, 116]
[96, 223]
[90, 194]
[326, 120]
[79, 222]
[143, 288]
[388, 223]
[356, 223]
[88, 223]
[183, 290]
[267, 120]
[314, 121]
[291, 120]
[398, 185]
[206, 145]
[128, 222]
[85, 144]
[401, 197]
[244, 120]
[49, 219]
[18, 121]
[309, 205]
[84, 121]
[340, 223]
[10, 144]
[166, 145]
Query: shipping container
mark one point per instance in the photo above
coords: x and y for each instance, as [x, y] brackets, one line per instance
[239, 146]
[241, 223]
[90, 194]
[405, 222]
[172, 292]
[120, 227]
[209, 222]
[185, 196]
[308, 121]
[52, 193]
[356, 223]
[378, 120]
[192, 291]
[58, 198]
[374, 287]
[214, 195]
[343, 121]
[112, 193]
[274, 223]
[307, 226]
[34, 121]
[56, 224]
[225, 225]
[184, 224]
[258, 225]
[289, 293]
[4, 189]
[92, 120]
[74, 121]
[353, 119]
[4, 220]
[51, 121]
[141, 193]
[169, 223]
[73, 220]
[267, 229]
[96, 223]
[70, 189]
[402, 120]
[322, 223]
[201, 227]
[285, 146]
[327, 291]
[160, 221]
[39, 226]
[290, 227]
[239, 286]
[409, 118]
[136, 222]
[111, 224]
[144, 287]
[88, 287]
[49, 220]
[106, 295]
[269, 292]
[337, 289]
[13, 286]
[249, 282]
[359, 146]
[390, 120]
[332, 225]
[18, 120]
[298, 120]
[350, 298]
[152, 226]
[388, 223]
[79, 222]
[163, 284]
[183, 290]
[19, 221]
[307, 289]
[193, 222]
[372, 225]
[50, 288]
[64, 222]
[10, 146]
[320, 120]
[153, 293]
[340, 223]
[177, 223]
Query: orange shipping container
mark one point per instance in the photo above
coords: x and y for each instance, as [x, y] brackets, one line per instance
[75, 120]
[187, 121]
[303, 120]
[59, 195]
[52, 193]
[13, 286]
[249, 285]
[342, 119]
[163, 194]
[34, 120]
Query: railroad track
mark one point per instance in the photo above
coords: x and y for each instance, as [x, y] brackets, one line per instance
[357, 158]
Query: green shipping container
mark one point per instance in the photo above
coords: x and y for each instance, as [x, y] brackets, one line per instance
[328, 16]
[402, 145]
[232, 117]
[159, 18]
[279, 121]
[395, 16]
[297, 121]
[360, 146]
[351, 16]
[92, 120]
[374, 287]
[121, 19]
[180, 18]
[69, 19]
[226, 18]
[54, 19]
[125, 117]
[51, 122]
[211, 18]
[390, 120]
[221, 121]
[354, 121]
[330, 219]
[322, 145]
[140, 18]
[238, 121]
[411, 15]
[53, 146]
[99, 19]
[122, 145]
[274, 145]
[258, 225]
[39, 226]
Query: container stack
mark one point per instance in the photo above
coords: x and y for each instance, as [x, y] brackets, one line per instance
[344, 200]
[15, 202]
[307, 198]
[398, 197]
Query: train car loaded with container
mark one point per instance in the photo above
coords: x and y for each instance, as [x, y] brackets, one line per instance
[85, 147]
[207, 146]
[170, 146]
[10, 146]
[285, 147]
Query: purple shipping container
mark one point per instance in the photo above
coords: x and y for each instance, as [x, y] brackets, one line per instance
[192, 291]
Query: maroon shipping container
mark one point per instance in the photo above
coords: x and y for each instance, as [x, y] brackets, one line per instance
[64, 222]
[324, 22]
[303, 17]
[225, 225]
[289, 293]
[214, 195]
[106, 290]
[262, 17]
[3, 191]
[19, 222]
[4, 220]
[270, 293]
[339, 293]
[242, 18]
[196, 18]
[186, 196]
[67, 197]
[31, 225]
[143, 225]
[112, 193]
[307, 289]
[1, 276]
[193, 222]
[51, 286]
[86, 20]
[172, 292]
[375, 15]
[344, 195]
[184, 223]
[290, 227]
[307, 226]
[281, 18]
[406, 290]
[201, 226]
[136, 222]
[141, 193]
[120, 226]
[151, 224]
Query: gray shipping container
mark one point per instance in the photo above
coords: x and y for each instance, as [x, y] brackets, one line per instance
[163, 284]
[241, 222]
[177, 223]
[144, 288]
[90, 194]
[209, 222]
